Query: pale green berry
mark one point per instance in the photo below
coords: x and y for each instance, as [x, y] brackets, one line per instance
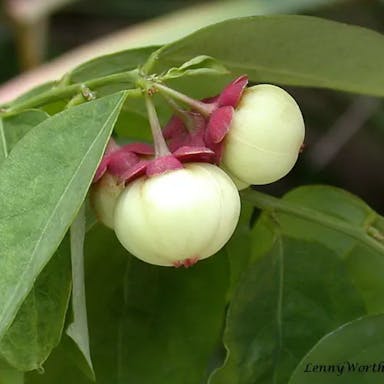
[178, 217]
[265, 135]
[240, 185]
[103, 197]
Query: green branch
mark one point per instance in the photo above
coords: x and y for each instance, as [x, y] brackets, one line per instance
[270, 203]
[67, 91]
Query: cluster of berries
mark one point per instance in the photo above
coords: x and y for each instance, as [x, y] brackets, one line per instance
[177, 202]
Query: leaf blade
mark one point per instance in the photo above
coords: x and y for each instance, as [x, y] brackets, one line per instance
[284, 291]
[78, 329]
[331, 275]
[357, 343]
[32, 225]
[15, 127]
[38, 325]
[291, 50]
[110, 64]
[10, 376]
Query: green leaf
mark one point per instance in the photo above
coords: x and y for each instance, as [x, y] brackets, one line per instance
[148, 324]
[35, 91]
[314, 266]
[165, 322]
[62, 367]
[343, 223]
[133, 126]
[292, 50]
[288, 298]
[110, 64]
[10, 375]
[330, 215]
[199, 65]
[352, 353]
[239, 247]
[44, 181]
[16, 126]
[78, 329]
[38, 325]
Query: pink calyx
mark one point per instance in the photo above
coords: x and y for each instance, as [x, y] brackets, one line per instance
[219, 123]
[232, 92]
[208, 131]
[196, 138]
[167, 163]
[162, 164]
[134, 160]
[117, 160]
[179, 133]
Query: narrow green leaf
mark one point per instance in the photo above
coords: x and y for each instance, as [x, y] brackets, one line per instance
[44, 181]
[352, 353]
[199, 65]
[43, 335]
[16, 126]
[78, 329]
[293, 50]
[110, 64]
[34, 92]
[38, 325]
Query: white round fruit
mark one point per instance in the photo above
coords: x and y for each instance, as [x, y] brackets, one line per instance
[240, 185]
[265, 135]
[103, 197]
[178, 217]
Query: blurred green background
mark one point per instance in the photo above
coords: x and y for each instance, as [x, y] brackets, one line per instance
[345, 132]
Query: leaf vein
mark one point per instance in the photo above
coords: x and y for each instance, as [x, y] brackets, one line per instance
[21, 281]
